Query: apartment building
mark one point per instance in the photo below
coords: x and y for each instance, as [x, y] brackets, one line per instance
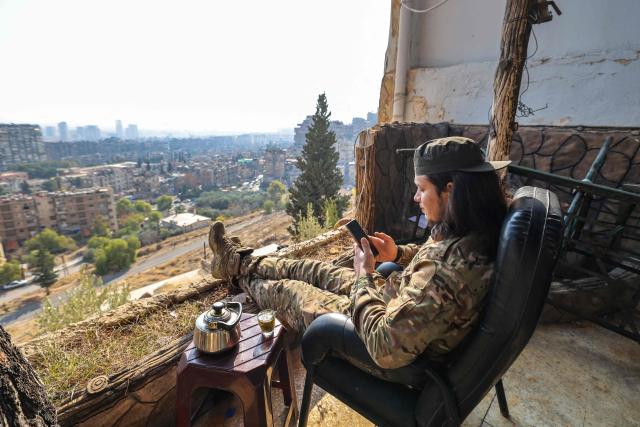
[20, 144]
[120, 177]
[274, 163]
[22, 216]
[11, 181]
[18, 220]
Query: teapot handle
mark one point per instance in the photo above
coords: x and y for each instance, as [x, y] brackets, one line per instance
[227, 325]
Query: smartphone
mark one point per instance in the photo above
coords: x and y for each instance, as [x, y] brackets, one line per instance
[358, 233]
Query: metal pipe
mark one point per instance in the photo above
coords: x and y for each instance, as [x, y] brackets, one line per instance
[595, 189]
[402, 65]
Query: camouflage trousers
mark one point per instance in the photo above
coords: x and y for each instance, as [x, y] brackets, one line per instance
[299, 290]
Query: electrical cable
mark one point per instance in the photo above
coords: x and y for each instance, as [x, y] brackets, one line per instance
[429, 9]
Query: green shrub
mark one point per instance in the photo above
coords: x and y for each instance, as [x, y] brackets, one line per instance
[308, 225]
[84, 300]
[268, 206]
[330, 213]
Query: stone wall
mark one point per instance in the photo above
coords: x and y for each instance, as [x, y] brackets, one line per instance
[567, 151]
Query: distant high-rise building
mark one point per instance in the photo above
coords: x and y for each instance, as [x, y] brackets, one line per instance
[63, 131]
[79, 135]
[132, 132]
[20, 144]
[119, 130]
[92, 133]
[50, 133]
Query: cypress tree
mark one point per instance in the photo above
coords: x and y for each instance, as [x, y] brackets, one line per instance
[319, 180]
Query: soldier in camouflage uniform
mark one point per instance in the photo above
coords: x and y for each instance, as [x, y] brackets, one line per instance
[431, 305]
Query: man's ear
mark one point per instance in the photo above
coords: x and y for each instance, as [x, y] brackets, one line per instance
[449, 187]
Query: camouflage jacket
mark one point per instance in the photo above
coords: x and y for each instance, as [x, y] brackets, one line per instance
[430, 306]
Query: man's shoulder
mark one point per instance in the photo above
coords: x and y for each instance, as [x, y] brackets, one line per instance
[470, 247]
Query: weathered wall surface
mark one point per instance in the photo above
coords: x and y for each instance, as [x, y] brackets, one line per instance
[567, 151]
[585, 69]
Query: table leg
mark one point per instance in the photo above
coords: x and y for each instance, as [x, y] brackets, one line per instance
[183, 404]
[286, 378]
[256, 406]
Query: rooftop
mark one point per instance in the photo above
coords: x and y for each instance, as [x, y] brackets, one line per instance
[184, 219]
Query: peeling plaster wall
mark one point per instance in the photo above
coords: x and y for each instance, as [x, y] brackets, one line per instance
[586, 69]
[385, 102]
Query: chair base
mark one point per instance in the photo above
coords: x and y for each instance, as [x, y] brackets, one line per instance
[502, 399]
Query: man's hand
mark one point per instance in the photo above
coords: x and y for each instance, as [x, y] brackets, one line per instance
[387, 248]
[363, 261]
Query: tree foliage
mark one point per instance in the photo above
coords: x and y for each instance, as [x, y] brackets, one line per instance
[50, 241]
[231, 203]
[319, 178]
[155, 218]
[10, 271]
[164, 202]
[42, 265]
[116, 254]
[124, 207]
[51, 185]
[130, 225]
[101, 227]
[142, 207]
[25, 187]
[275, 191]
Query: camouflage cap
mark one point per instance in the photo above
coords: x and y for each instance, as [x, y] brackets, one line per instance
[454, 153]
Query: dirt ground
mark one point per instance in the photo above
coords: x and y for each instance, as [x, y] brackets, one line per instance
[257, 234]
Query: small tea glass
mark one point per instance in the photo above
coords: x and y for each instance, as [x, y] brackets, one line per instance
[267, 322]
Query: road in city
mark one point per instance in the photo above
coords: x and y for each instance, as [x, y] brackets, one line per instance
[71, 267]
[28, 310]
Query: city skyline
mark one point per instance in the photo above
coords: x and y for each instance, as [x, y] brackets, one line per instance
[199, 68]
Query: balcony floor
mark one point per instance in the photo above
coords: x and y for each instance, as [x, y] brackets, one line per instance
[573, 374]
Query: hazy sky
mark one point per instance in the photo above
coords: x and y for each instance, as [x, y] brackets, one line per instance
[194, 65]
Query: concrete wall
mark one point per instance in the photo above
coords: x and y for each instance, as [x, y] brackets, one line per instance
[586, 68]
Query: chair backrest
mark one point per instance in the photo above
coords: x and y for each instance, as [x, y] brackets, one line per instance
[529, 243]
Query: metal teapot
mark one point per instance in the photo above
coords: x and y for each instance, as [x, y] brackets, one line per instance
[218, 329]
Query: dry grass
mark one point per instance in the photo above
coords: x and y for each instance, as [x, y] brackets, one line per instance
[332, 251]
[40, 294]
[65, 368]
[256, 235]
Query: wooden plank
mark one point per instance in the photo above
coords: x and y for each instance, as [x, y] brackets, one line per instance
[254, 347]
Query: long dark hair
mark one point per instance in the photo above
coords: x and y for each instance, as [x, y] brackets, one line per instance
[476, 205]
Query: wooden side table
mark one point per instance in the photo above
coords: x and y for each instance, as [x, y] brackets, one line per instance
[245, 371]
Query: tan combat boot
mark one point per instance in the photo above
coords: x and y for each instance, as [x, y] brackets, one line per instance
[227, 253]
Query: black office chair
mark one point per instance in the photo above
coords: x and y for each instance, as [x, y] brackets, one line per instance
[436, 394]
